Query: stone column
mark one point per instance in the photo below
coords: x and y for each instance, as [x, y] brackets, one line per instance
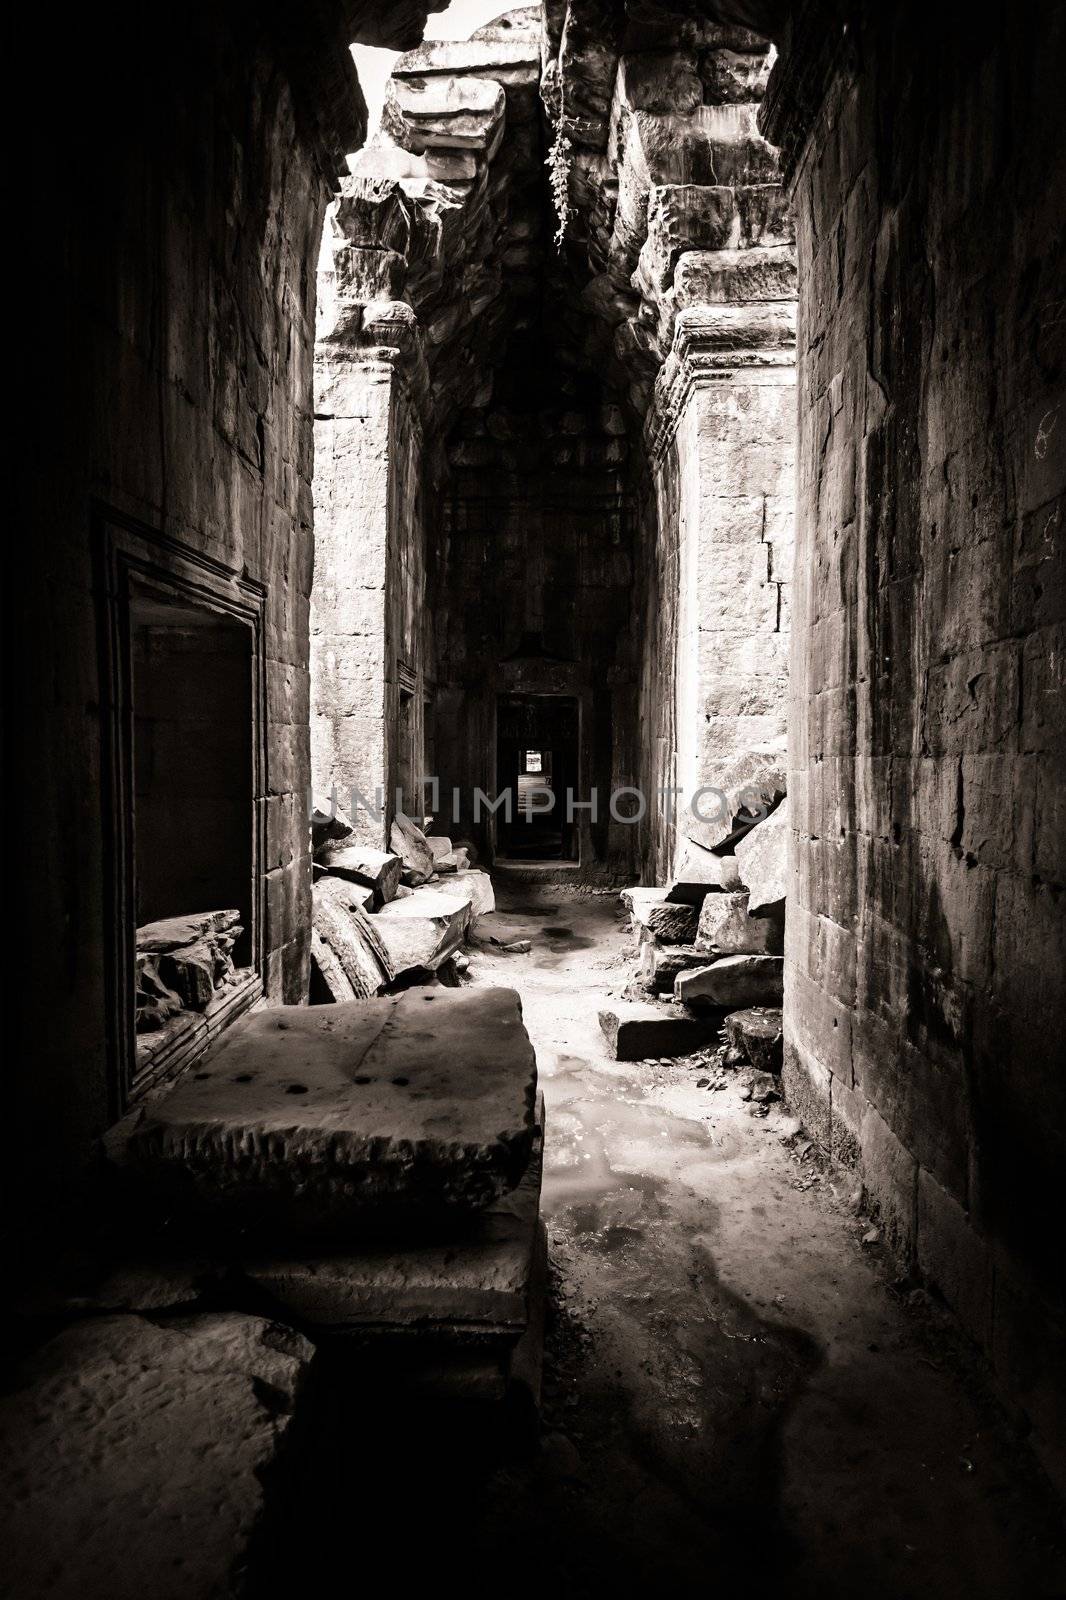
[721, 434]
[369, 384]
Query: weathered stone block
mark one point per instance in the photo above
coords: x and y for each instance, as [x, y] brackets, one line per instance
[424, 928]
[654, 915]
[634, 1031]
[660, 965]
[697, 871]
[376, 869]
[726, 928]
[318, 1120]
[444, 112]
[762, 861]
[732, 982]
[479, 1275]
[172, 932]
[757, 1032]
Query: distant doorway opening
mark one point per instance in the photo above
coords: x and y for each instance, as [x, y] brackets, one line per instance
[537, 763]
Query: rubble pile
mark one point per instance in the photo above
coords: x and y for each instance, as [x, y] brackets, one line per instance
[383, 920]
[710, 943]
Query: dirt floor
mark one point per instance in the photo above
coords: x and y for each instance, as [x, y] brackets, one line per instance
[737, 1386]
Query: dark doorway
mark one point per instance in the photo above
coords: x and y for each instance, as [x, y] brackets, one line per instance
[537, 762]
[193, 763]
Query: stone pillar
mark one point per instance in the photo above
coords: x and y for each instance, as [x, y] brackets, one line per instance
[353, 424]
[721, 435]
[366, 601]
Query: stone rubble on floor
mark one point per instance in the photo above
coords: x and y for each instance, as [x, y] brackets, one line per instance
[707, 942]
[386, 920]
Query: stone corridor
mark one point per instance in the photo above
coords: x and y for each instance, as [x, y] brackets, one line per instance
[535, 740]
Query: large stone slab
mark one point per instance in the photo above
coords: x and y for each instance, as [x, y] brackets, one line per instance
[634, 1031]
[762, 861]
[444, 111]
[727, 929]
[475, 1278]
[170, 933]
[732, 982]
[424, 928]
[472, 885]
[323, 1120]
[132, 1455]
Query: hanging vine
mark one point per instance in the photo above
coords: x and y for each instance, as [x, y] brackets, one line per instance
[558, 165]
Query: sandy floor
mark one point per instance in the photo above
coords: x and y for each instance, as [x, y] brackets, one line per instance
[735, 1389]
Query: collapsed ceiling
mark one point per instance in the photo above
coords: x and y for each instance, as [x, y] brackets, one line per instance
[628, 134]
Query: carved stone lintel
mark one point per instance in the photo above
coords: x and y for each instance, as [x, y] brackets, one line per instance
[718, 344]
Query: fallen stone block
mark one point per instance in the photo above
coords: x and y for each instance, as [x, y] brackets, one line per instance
[732, 982]
[374, 869]
[653, 914]
[349, 935]
[634, 1031]
[155, 1001]
[662, 965]
[475, 886]
[322, 1121]
[697, 871]
[134, 1454]
[748, 787]
[424, 928]
[327, 822]
[726, 929]
[170, 933]
[762, 861]
[439, 846]
[757, 1032]
[190, 973]
[411, 845]
[446, 112]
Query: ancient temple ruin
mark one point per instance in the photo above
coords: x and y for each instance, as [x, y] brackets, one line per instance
[537, 750]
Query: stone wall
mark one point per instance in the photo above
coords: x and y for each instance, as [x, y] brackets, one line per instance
[171, 211]
[925, 960]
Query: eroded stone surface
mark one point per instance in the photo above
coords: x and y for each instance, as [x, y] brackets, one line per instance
[312, 1118]
[762, 861]
[733, 981]
[727, 929]
[478, 1276]
[758, 1033]
[634, 1031]
[133, 1452]
[697, 870]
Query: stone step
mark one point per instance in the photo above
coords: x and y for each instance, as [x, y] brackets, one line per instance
[662, 965]
[473, 1278]
[732, 982]
[634, 1031]
[326, 1121]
